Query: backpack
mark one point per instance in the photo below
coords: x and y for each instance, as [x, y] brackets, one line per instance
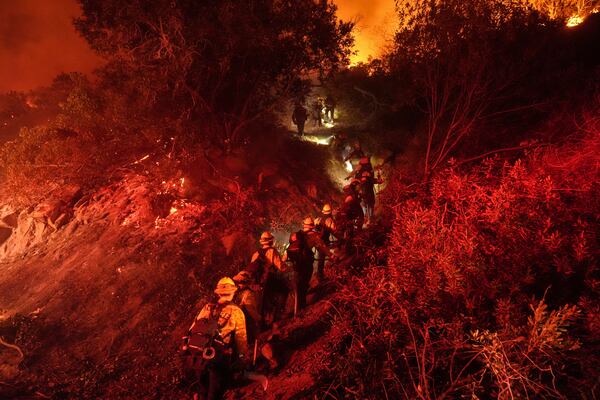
[203, 341]
[299, 251]
[323, 230]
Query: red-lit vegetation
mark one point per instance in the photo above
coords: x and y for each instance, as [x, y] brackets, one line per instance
[489, 283]
[124, 199]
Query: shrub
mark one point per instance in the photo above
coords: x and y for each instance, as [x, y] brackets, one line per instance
[454, 311]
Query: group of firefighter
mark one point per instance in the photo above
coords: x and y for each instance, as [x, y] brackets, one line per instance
[323, 110]
[228, 336]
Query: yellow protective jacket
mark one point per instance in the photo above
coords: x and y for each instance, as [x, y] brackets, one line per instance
[272, 257]
[231, 325]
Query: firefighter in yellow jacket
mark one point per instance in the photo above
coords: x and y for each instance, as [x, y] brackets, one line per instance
[325, 227]
[267, 268]
[218, 340]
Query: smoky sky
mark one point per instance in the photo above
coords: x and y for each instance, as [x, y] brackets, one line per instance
[38, 41]
[376, 23]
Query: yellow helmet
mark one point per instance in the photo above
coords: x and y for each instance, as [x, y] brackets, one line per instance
[308, 223]
[266, 238]
[225, 286]
[326, 209]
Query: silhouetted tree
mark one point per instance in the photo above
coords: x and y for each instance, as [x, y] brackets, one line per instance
[218, 64]
[468, 61]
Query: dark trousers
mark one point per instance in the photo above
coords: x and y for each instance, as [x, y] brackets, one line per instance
[274, 297]
[300, 125]
[212, 381]
[321, 265]
[302, 275]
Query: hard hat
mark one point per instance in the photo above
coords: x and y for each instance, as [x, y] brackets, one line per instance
[243, 277]
[348, 199]
[364, 161]
[225, 286]
[308, 223]
[326, 209]
[266, 238]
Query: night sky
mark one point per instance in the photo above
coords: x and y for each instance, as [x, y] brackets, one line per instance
[38, 40]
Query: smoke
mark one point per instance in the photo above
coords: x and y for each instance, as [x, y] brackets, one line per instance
[38, 41]
[376, 23]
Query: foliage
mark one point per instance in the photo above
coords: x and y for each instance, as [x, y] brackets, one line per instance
[218, 65]
[453, 312]
[471, 62]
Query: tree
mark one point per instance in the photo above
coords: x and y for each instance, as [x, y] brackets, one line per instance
[466, 59]
[217, 66]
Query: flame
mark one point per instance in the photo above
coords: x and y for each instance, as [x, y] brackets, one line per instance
[575, 20]
[173, 210]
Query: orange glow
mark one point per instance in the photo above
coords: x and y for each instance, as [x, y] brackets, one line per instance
[376, 22]
[38, 41]
[577, 19]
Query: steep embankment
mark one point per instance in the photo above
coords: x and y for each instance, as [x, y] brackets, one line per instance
[97, 286]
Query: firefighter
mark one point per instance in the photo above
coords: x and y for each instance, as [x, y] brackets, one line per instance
[367, 190]
[325, 227]
[247, 298]
[269, 276]
[356, 153]
[266, 259]
[313, 241]
[364, 164]
[318, 112]
[353, 189]
[217, 343]
[301, 257]
[339, 142]
[329, 108]
[351, 217]
[299, 117]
